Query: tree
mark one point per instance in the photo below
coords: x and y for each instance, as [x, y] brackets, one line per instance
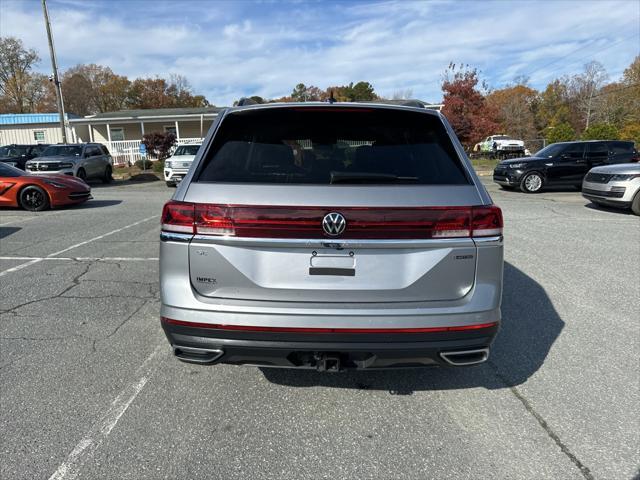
[584, 88]
[631, 131]
[515, 110]
[90, 89]
[16, 83]
[302, 93]
[159, 144]
[560, 132]
[465, 106]
[601, 131]
[554, 106]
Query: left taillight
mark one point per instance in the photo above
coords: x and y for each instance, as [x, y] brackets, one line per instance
[178, 217]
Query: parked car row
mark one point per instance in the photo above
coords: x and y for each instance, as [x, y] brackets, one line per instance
[36, 177]
[596, 167]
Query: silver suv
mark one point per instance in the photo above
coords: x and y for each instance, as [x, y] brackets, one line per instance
[83, 160]
[330, 237]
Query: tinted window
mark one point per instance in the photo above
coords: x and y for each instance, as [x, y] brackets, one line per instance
[574, 150]
[62, 150]
[13, 151]
[598, 150]
[103, 150]
[621, 147]
[322, 145]
[551, 150]
[9, 171]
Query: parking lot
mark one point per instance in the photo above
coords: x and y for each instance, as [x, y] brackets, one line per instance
[89, 387]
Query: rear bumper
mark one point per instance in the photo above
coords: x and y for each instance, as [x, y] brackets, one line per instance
[330, 351]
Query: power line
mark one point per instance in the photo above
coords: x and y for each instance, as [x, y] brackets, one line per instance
[578, 59]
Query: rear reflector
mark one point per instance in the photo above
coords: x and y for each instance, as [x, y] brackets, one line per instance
[248, 328]
[306, 222]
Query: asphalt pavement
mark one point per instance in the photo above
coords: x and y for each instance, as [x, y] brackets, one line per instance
[89, 388]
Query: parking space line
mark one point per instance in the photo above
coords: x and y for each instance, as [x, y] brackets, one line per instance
[37, 260]
[101, 429]
[86, 259]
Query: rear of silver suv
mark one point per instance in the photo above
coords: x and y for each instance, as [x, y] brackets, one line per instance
[330, 237]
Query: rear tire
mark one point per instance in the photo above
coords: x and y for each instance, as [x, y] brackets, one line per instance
[33, 198]
[108, 175]
[82, 175]
[635, 204]
[532, 183]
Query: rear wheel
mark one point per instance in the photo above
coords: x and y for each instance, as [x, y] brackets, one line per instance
[108, 175]
[82, 175]
[34, 198]
[531, 183]
[635, 204]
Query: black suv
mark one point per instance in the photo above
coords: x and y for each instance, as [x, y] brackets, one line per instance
[17, 155]
[563, 163]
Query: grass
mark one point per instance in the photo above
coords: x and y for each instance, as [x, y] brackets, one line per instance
[484, 164]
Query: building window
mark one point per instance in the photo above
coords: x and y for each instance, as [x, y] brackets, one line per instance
[117, 134]
[170, 129]
[38, 135]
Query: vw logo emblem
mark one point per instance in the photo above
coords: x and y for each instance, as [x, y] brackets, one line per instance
[334, 224]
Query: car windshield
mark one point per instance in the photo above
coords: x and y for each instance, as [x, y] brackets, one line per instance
[62, 150]
[187, 150]
[13, 151]
[550, 151]
[9, 171]
[333, 146]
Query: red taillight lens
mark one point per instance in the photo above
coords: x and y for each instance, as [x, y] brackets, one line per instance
[486, 221]
[178, 217]
[306, 222]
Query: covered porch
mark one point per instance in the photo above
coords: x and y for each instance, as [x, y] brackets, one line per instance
[121, 132]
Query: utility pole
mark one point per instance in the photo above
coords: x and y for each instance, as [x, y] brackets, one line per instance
[56, 80]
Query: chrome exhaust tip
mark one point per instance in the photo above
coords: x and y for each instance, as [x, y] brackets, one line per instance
[466, 357]
[198, 355]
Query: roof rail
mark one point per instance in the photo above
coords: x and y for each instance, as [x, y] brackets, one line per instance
[246, 101]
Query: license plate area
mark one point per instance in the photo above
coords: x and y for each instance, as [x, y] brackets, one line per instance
[332, 264]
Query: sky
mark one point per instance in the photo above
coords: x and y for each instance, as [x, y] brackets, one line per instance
[228, 50]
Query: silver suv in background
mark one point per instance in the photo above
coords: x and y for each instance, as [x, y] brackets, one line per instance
[616, 186]
[83, 160]
[329, 237]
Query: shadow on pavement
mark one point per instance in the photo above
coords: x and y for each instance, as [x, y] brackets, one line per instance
[95, 204]
[6, 231]
[603, 208]
[530, 326]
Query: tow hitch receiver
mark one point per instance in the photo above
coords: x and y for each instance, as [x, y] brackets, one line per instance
[327, 362]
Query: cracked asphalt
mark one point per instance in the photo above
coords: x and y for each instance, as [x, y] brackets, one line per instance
[89, 389]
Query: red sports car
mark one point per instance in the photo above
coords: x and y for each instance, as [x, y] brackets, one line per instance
[36, 193]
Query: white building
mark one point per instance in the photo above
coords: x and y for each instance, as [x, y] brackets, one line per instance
[30, 128]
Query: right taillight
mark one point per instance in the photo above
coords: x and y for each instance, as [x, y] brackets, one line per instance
[486, 221]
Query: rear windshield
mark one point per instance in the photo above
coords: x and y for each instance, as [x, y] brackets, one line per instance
[332, 145]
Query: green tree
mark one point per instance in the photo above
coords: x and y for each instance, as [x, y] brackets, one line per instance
[601, 131]
[631, 131]
[560, 132]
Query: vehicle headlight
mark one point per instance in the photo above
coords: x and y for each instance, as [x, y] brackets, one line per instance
[517, 165]
[66, 165]
[627, 176]
[167, 163]
[53, 183]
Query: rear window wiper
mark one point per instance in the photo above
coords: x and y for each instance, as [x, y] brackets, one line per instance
[364, 177]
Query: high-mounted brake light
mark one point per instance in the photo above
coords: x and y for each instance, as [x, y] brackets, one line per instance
[362, 223]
